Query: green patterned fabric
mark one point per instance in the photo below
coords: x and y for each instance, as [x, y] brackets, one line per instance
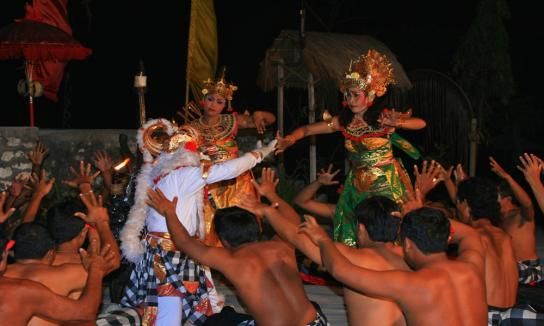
[374, 172]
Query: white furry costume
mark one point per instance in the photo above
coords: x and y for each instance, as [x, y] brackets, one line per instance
[177, 174]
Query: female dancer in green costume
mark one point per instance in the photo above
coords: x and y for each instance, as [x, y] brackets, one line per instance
[368, 140]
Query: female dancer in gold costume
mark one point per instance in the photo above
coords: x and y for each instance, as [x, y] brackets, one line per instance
[218, 132]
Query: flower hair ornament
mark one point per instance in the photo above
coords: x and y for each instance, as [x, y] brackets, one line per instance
[371, 72]
[167, 148]
[220, 87]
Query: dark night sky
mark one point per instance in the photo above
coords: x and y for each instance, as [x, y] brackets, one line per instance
[423, 34]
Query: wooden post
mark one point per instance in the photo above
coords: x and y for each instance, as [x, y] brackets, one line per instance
[311, 119]
[474, 139]
[279, 112]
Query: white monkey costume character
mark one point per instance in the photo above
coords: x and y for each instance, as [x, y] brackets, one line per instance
[166, 286]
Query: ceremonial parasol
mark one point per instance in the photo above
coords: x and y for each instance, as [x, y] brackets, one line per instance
[38, 43]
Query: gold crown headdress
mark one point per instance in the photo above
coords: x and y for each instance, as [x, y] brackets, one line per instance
[371, 72]
[219, 86]
[186, 136]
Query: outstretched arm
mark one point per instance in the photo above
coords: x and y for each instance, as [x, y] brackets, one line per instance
[322, 127]
[532, 166]
[395, 285]
[97, 217]
[281, 216]
[42, 186]
[527, 210]
[305, 198]
[210, 256]
[403, 120]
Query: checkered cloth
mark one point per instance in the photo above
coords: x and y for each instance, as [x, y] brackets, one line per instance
[320, 319]
[520, 315]
[530, 271]
[123, 316]
[142, 287]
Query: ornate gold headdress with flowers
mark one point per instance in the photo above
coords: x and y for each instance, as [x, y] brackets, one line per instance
[185, 136]
[219, 86]
[371, 72]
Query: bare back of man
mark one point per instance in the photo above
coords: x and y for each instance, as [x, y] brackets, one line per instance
[522, 232]
[501, 274]
[66, 258]
[266, 279]
[454, 295]
[366, 310]
[66, 280]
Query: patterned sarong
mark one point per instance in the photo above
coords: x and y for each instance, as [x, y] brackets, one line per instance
[320, 319]
[164, 271]
[530, 271]
[517, 315]
[122, 316]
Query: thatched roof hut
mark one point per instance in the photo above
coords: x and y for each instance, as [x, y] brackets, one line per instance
[325, 55]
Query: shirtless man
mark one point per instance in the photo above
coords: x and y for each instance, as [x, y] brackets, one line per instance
[69, 231]
[34, 254]
[264, 273]
[522, 226]
[439, 291]
[477, 203]
[377, 231]
[20, 300]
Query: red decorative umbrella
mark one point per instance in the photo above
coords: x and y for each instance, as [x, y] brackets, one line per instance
[43, 46]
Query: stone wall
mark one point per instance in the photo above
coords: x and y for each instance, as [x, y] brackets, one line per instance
[69, 146]
[66, 148]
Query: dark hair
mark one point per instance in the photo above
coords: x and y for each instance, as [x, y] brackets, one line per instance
[428, 228]
[236, 226]
[375, 214]
[481, 195]
[61, 222]
[32, 241]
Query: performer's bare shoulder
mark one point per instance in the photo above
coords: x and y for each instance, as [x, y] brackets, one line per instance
[366, 310]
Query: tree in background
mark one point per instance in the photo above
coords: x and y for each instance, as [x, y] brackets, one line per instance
[482, 63]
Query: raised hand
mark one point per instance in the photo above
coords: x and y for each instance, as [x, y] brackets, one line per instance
[4, 214]
[84, 175]
[531, 167]
[158, 201]
[96, 212]
[283, 143]
[313, 230]
[412, 202]
[459, 174]
[393, 118]
[94, 257]
[326, 178]
[268, 183]
[495, 167]
[41, 185]
[18, 185]
[38, 154]
[445, 175]
[102, 161]
[428, 178]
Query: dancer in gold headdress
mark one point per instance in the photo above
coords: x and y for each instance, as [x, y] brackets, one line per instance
[219, 144]
[368, 140]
